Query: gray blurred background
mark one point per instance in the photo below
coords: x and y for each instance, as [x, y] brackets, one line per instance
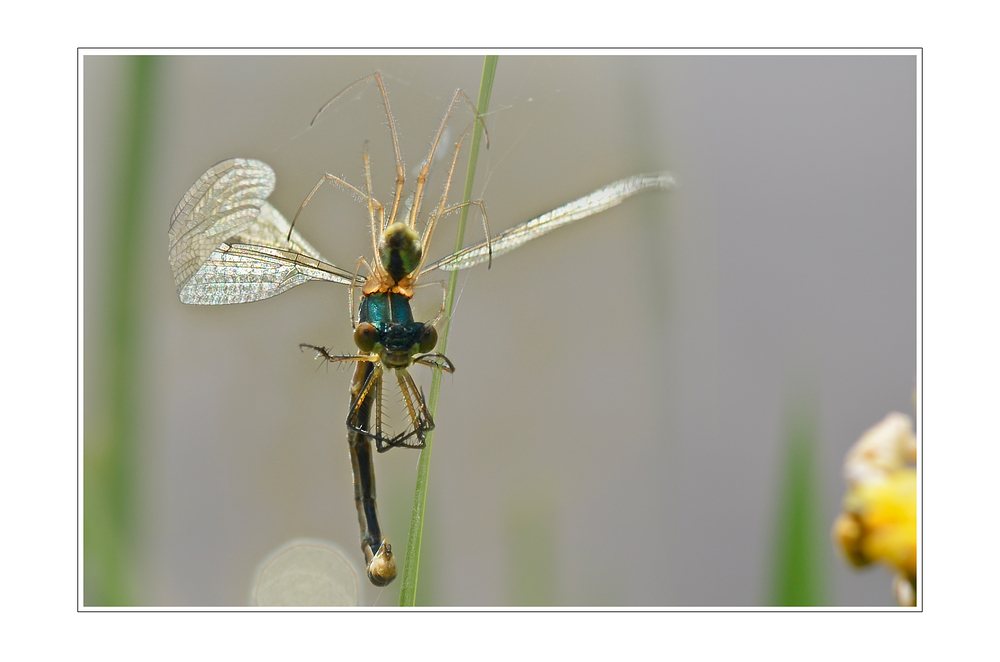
[614, 431]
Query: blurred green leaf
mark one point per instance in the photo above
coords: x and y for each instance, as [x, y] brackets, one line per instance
[109, 455]
[799, 560]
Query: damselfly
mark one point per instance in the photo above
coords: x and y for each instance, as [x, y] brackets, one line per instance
[229, 245]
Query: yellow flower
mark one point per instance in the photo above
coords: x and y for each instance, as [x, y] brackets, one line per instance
[879, 522]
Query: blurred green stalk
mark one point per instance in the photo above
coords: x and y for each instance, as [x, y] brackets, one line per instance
[798, 577]
[109, 473]
[408, 589]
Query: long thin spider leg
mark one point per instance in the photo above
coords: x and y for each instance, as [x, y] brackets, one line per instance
[379, 227]
[478, 203]
[400, 170]
[400, 174]
[425, 168]
[444, 297]
[350, 293]
[327, 177]
[340, 94]
[486, 227]
[425, 240]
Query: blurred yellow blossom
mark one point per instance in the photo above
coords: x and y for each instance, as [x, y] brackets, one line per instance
[879, 521]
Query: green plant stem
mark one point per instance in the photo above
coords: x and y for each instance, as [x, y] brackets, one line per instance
[798, 561]
[109, 518]
[411, 565]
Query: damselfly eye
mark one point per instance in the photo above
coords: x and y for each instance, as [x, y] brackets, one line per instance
[428, 338]
[389, 339]
[365, 336]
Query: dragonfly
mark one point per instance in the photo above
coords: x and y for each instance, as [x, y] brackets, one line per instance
[228, 245]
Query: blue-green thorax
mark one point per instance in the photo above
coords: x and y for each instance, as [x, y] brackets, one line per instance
[386, 327]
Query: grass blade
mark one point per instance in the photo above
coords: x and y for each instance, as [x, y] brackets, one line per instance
[411, 565]
[798, 562]
[109, 512]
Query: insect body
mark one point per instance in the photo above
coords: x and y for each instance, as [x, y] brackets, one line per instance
[229, 245]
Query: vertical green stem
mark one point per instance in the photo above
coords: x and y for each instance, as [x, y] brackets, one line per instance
[798, 562]
[408, 589]
[109, 487]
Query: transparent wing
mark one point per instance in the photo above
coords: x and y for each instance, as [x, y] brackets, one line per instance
[221, 204]
[241, 273]
[228, 244]
[598, 201]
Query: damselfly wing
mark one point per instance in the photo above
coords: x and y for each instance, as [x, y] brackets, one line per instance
[227, 244]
